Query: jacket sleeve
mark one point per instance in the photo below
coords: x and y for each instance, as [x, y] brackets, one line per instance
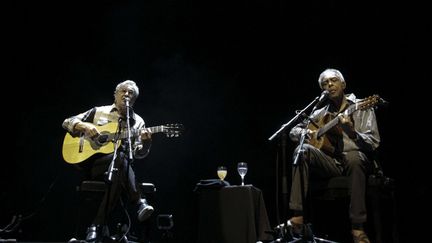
[70, 122]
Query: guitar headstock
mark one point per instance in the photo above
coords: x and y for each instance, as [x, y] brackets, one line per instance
[371, 101]
[172, 130]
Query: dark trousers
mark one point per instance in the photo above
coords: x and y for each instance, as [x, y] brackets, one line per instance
[122, 183]
[315, 163]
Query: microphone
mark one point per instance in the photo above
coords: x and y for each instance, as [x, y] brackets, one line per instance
[126, 99]
[321, 99]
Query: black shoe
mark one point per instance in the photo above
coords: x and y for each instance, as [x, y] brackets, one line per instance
[91, 233]
[144, 210]
[296, 230]
[282, 233]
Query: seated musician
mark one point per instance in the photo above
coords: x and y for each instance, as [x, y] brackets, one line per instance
[350, 135]
[97, 166]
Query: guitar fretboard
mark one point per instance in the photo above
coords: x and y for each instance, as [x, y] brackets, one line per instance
[136, 132]
[156, 129]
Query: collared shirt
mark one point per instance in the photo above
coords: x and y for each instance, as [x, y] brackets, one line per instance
[365, 125]
[102, 115]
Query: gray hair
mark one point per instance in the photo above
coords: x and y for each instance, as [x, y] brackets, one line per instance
[131, 83]
[330, 73]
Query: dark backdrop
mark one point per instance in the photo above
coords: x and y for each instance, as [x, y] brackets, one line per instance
[231, 71]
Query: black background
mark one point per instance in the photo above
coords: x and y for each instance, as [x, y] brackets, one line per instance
[231, 71]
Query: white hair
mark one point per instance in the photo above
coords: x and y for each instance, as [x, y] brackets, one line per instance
[131, 83]
[330, 73]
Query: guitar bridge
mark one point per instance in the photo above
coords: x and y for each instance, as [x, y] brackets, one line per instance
[81, 143]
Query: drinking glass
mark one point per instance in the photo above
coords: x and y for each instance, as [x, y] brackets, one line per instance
[242, 169]
[222, 172]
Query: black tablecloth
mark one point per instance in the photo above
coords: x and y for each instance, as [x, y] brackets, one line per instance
[232, 214]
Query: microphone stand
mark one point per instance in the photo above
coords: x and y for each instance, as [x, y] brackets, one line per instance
[108, 181]
[128, 135]
[299, 113]
[111, 168]
[128, 130]
[307, 233]
[130, 154]
[116, 139]
[318, 100]
[282, 135]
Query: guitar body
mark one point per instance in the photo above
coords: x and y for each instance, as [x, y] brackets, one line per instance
[77, 149]
[328, 142]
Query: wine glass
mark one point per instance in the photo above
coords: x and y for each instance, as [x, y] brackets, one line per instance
[222, 172]
[242, 169]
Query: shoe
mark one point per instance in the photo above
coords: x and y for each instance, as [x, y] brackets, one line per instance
[144, 211]
[119, 238]
[91, 233]
[361, 238]
[295, 229]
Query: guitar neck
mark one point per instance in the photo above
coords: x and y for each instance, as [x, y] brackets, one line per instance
[156, 129]
[137, 132]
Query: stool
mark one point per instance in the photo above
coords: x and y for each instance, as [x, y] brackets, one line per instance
[90, 198]
[147, 188]
[90, 194]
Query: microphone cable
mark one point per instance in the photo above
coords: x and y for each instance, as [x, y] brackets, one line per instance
[17, 219]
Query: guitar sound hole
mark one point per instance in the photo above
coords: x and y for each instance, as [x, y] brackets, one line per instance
[102, 139]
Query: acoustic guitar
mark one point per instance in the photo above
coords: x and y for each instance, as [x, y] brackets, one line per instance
[325, 125]
[78, 149]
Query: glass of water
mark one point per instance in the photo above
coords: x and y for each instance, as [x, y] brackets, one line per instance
[242, 169]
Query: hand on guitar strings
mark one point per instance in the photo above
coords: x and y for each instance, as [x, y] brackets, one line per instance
[310, 134]
[347, 125]
[88, 129]
[145, 134]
